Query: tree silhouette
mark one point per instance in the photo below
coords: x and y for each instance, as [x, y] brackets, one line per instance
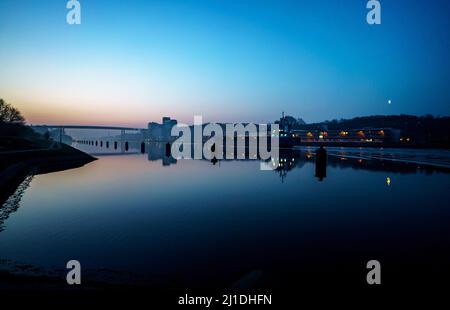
[9, 114]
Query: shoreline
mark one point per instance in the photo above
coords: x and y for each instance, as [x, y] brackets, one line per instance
[18, 165]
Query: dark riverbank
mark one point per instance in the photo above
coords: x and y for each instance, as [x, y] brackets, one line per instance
[15, 165]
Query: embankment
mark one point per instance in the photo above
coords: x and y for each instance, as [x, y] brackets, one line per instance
[16, 165]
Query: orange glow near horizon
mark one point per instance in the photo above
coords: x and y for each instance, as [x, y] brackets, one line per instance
[137, 113]
[51, 115]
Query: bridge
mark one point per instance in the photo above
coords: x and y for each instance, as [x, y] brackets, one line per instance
[89, 127]
[95, 127]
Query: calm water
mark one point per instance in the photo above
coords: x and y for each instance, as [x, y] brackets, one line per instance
[190, 222]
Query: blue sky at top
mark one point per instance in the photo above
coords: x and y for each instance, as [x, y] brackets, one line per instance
[130, 62]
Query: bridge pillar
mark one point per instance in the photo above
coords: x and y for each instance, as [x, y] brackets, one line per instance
[122, 137]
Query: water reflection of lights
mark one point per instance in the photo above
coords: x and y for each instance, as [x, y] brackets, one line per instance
[388, 181]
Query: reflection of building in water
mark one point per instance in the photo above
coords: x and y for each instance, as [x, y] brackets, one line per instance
[352, 160]
[289, 159]
[157, 151]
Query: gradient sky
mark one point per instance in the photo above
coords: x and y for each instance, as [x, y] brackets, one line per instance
[130, 62]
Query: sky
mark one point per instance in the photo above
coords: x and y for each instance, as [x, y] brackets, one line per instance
[131, 62]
